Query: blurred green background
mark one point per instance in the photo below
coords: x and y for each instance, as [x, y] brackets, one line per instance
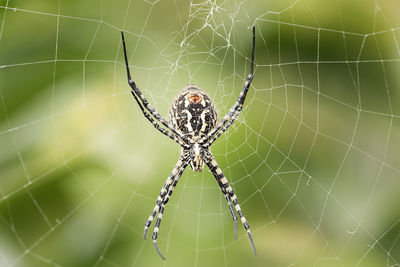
[314, 157]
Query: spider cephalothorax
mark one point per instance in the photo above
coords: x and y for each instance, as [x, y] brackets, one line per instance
[193, 125]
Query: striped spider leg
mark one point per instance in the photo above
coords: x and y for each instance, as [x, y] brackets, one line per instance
[137, 94]
[193, 125]
[162, 199]
[234, 111]
[222, 126]
[229, 195]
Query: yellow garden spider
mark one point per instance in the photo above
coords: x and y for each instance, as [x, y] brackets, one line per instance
[193, 125]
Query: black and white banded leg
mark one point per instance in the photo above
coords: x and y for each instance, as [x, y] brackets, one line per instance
[228, 199]
[156, 125]
[226, 126]
[146, 105]
[178, 169]
[234, 111]
[162, 208]
[227, 190]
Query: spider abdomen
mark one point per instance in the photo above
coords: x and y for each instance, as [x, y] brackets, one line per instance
[193, 112]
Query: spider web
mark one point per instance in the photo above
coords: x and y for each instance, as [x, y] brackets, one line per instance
[313, 157]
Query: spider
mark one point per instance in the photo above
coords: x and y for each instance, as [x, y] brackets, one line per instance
[193, 125]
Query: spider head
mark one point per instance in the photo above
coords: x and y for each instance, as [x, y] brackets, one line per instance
[196, 158]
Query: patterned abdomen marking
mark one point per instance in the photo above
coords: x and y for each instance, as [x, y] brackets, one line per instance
[194, 98]
[193, 112]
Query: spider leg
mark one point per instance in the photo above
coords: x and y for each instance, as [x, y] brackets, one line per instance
[156, 125]
[226, 126]
[135, 90]
[180, 165]
[162, 208]
[237, 107]
[227, 189]
[228, 199]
